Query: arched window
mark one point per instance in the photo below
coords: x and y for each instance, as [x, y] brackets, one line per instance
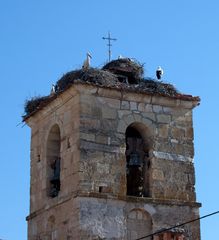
[137, 163]
[53, 161]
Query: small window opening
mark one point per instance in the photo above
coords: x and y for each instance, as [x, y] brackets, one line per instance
[53, 161]
[38, 158]
[137, 164]
[68, 143]
[100, 189]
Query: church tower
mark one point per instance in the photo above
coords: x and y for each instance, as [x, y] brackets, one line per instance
[112, 158]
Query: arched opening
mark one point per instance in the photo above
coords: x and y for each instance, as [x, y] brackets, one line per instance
[139, 224]
[137, 162]
[53, 161]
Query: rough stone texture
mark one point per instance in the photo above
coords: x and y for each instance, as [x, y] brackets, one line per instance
[92, 202]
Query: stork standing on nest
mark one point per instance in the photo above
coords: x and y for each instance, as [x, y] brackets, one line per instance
[159, 73]
[86, 63]
[53, 89]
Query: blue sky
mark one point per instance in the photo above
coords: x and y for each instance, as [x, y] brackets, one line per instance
[41, 40]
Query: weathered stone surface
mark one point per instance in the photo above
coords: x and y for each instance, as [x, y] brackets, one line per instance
[122, 125]
[157, 174]
[122, 113]
[125, 105]
[150, 116]
[133, 106]
[170, 156]
[102, 220]
[157, 109]
[87, 136]
[110, 102]
[93, 201]
[109, 113]
[163, 118]
[104, 92]
[165, 101]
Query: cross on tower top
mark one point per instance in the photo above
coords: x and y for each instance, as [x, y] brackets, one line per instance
[109, 43]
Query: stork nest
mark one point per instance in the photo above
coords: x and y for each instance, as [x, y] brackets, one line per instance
[128, 67]
[124, 74]
[91, 75]
[34, 103]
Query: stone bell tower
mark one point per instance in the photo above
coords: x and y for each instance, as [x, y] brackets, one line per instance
[112, 158]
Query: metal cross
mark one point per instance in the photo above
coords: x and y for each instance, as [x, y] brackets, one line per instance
[109, 43]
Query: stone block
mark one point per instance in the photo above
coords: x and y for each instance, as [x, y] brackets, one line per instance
[109, 93]
[157, 174]
[137, 117]
[157, 109]
[135, 97]
[141, 107]
[125, 105]
[177, 133]
[133, 106]
[108, 126]
[102, 139]
[109, 113]
[189, 133]
[122, 126]
[149, 115]
[122, 113]
[85, 89]
[163, 130]
[148, 123]
[87, 136]
[110, 102]
[163, 118]
[128, 120]
[89, 123]
[165, 101]
[169, 110]
[103, 168]
[148, 108]
[188, 104]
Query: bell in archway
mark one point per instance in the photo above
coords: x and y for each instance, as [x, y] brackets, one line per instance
[135, 159]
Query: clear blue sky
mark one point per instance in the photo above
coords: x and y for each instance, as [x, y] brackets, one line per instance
[41, 40]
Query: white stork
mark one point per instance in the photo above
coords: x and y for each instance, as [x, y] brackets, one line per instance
[86, 63]
[53, 89]
[159, 73]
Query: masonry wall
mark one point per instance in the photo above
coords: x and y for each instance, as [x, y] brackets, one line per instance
[131, 218]
[166, 126]
[105, 116]
[92, 202]
[61, 212]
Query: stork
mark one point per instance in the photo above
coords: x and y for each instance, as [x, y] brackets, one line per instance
[86, 63]
[159, 73]
[53, 89]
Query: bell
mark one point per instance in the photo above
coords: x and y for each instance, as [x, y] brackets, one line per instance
[135, 159]
[55, 178]
[56, 172]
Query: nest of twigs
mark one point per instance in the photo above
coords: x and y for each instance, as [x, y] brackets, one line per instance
[124, 74]
[34, 103]
[128, 67]
[91, 75]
